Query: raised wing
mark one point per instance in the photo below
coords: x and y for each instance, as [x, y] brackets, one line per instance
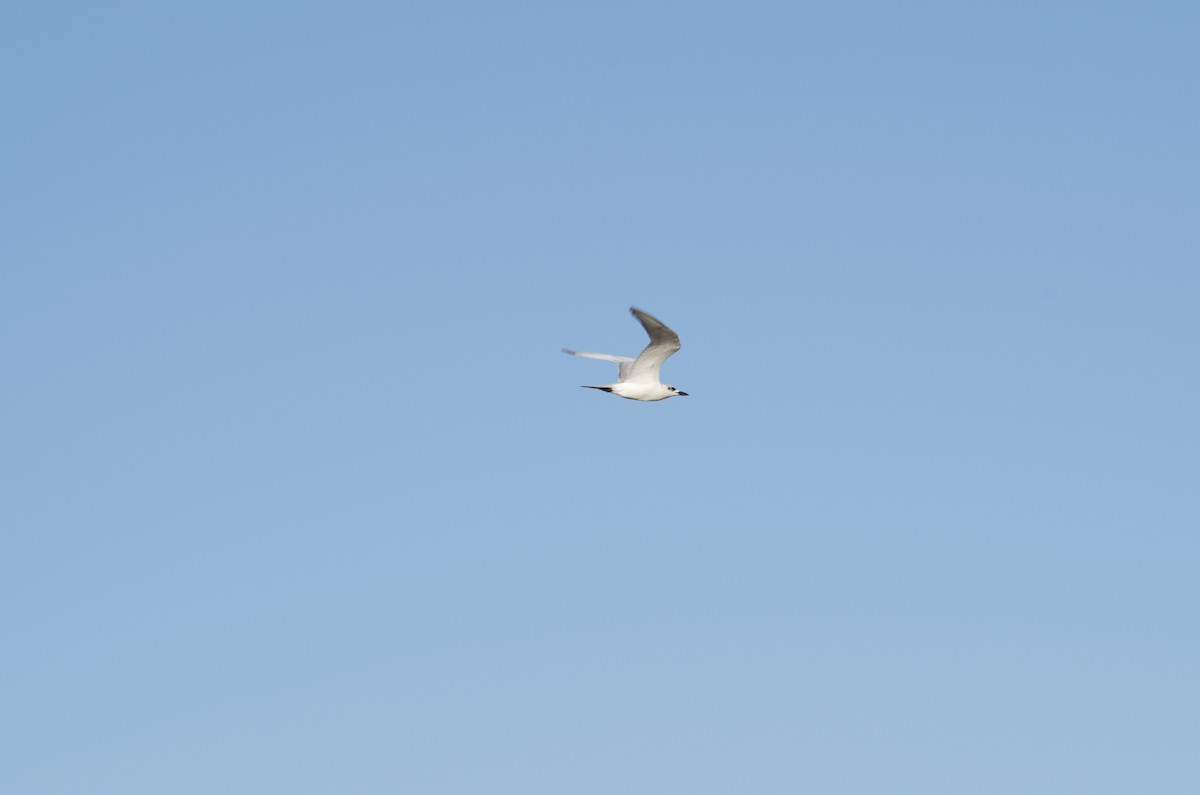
[623, 362]
[663, 342]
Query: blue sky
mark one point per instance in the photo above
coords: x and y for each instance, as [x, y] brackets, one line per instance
[302, 496]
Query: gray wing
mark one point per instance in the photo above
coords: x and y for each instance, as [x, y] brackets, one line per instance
[624, 363]
[663, 342]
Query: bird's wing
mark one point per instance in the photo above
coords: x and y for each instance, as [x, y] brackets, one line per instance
[663, 342]
[623, 362]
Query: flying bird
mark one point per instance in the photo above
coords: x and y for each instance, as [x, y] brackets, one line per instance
[637, 379]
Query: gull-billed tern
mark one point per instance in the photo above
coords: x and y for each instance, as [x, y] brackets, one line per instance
[638, 378]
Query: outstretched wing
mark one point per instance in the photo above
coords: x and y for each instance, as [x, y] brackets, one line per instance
[623, 362]
[663, 342]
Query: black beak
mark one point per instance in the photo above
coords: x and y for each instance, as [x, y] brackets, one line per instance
[682, 394]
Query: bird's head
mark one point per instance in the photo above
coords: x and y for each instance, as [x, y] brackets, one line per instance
[675, 392]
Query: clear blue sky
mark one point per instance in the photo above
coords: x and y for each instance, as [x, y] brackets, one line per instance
[300, 495]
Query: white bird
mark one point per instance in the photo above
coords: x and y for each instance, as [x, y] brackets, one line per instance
[637, 379]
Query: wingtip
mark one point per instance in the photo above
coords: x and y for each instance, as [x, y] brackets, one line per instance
[644, 317]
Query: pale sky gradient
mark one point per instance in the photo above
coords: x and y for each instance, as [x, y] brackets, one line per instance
[301, 496]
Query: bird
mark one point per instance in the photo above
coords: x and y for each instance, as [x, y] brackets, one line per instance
[638, 379]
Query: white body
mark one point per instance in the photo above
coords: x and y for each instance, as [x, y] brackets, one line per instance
[638, 379]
